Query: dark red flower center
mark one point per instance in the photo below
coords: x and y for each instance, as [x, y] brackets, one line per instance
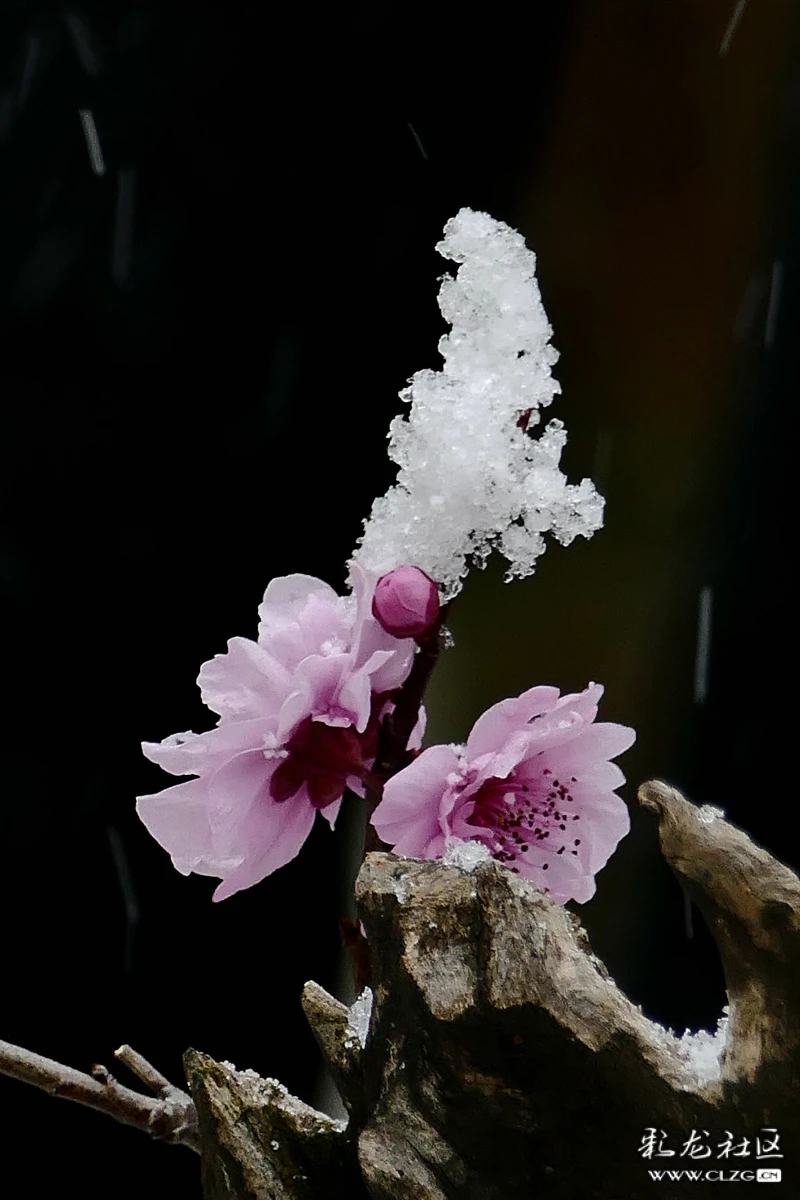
[323, 757]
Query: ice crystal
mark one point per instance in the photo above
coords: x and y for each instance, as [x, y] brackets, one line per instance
[261, 1091]
[709, 813]
[358, 1018]
[465, 855]
[703, 1051]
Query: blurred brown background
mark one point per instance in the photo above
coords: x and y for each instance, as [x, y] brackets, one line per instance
[661, 207]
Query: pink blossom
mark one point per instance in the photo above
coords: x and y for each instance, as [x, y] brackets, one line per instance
[406, 602]
[299, 711]
[534, 784]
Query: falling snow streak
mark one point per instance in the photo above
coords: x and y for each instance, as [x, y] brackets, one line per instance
[703, 650]
[92, 141]
[727, 37]
[125, 879]
[749, 307]
[79, 32]
[771, 323]
[416, 138]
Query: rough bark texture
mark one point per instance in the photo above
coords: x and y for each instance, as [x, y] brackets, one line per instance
[502, 1060]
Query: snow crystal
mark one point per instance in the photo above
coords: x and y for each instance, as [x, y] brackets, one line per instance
[702, 1052]
[260, 1090]
[707, 814]
[465, 855]
[400, 888]
[358, 1017]
[471, 475]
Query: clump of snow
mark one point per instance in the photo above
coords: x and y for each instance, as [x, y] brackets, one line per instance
[400, 888]
[465, 855]
[247, 1074]
[262, 1091]
[703, 1051]
[708, 813]
[472, 477]
[358, 1018]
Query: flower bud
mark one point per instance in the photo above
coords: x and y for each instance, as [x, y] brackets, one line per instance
[406, 602]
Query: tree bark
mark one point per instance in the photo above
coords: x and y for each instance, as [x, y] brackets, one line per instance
[503, 1062]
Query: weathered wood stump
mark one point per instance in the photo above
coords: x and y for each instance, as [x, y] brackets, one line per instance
[503, 1062]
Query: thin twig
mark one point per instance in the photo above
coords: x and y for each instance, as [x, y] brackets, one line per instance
[171, 1116]
[144, 1070]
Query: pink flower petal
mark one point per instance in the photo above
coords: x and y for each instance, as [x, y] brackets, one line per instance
[243, 684]
[562, 876]
[295, 709]
[286, 595]
[321, 677]
[323, 626]
[241, 784]
[534, 785]
[355, 695]
[275, 834]
[584, 703]
[605, 821]
[309, 689]
[331, 812]
[419, 838]
[418, 785]
[370, 637]
[287, 644]
[203, 753]
[594, 744]
[603, 775]
[552, 731]
[407, 817]
[177, 819]
[501, 763]
[505, 718]
[393, 672]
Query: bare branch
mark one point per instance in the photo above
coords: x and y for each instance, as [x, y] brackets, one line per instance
[144, 1070]
[170, 1117]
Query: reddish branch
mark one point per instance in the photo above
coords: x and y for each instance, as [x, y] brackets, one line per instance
[393, 753]
[392, 756]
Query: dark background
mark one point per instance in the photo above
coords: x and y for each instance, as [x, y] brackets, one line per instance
[201, 350]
